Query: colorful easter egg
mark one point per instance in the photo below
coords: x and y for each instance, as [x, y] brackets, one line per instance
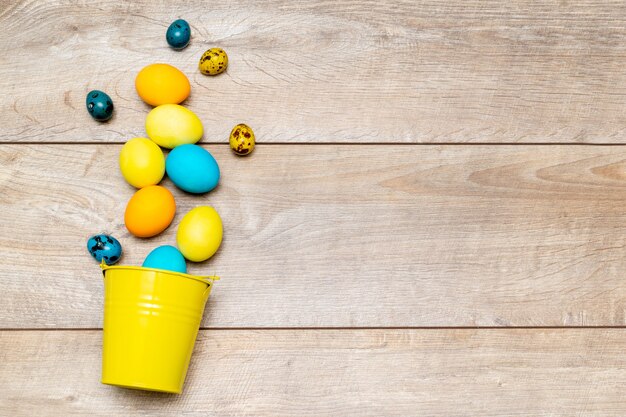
[150, 211]
[242, 139]
[105, 247]
[171, 125]
[166, 257]
[192, 168]
[99, 105]
[213, 62]
[199, 234]
[178, 34]
[142, 162]
[159, 84]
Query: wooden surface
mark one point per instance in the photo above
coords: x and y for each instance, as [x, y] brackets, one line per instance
[433, 222]
[331, 235]
[357, 373]
[326, 71]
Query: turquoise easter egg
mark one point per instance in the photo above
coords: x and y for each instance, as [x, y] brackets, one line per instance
[178, 34]
[166, 257]
[192, 168]
[104, 248]
[99, 105]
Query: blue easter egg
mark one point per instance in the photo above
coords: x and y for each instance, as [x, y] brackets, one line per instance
[105, 247]
[99, 105]
[192, 168]
[166, 257]
[178, 34]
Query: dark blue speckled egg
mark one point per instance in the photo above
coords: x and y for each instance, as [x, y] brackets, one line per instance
[105, 247]
[99, 105]
[178, 34]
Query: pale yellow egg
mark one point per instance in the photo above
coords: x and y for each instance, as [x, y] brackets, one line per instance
[171, 125]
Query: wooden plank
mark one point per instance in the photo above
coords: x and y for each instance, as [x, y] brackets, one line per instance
[338, 372]
[339, 235]
[341, 71]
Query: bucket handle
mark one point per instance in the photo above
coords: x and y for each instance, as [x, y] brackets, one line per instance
[207, 279]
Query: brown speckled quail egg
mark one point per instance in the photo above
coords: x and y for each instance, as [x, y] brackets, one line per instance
[242, 139]
[213, 62]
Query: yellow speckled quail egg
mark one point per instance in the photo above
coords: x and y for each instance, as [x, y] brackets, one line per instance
[242, 139]
[213, 62]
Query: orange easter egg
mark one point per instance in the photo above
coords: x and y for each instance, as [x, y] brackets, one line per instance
[150, 211]
[159, 84]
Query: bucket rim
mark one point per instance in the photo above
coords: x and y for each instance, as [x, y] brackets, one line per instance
[207, 279]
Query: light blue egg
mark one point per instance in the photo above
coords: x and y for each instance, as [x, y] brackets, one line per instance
[192, 168]
[104, 247]
[166, 257]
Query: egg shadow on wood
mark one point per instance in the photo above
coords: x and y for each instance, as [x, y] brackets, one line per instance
[196, 195]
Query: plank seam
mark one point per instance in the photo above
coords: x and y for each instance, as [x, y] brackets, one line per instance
[341, 328]
[346, 143]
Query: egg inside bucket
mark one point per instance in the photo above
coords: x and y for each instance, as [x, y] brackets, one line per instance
[166, 257]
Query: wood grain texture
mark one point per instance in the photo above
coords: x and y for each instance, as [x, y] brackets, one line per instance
[339, 235]
[326, 71]
[328, 373]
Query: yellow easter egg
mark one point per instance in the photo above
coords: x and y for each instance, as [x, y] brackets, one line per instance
[171, 125]
[159, 84]
[199, 234]
[142, 162]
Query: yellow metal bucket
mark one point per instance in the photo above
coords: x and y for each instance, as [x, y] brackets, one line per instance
[151, 320]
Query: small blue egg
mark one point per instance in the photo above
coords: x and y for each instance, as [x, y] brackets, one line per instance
[99, 105]
[192, 168]
[105, 247]
[166, 257]
[178, 34]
